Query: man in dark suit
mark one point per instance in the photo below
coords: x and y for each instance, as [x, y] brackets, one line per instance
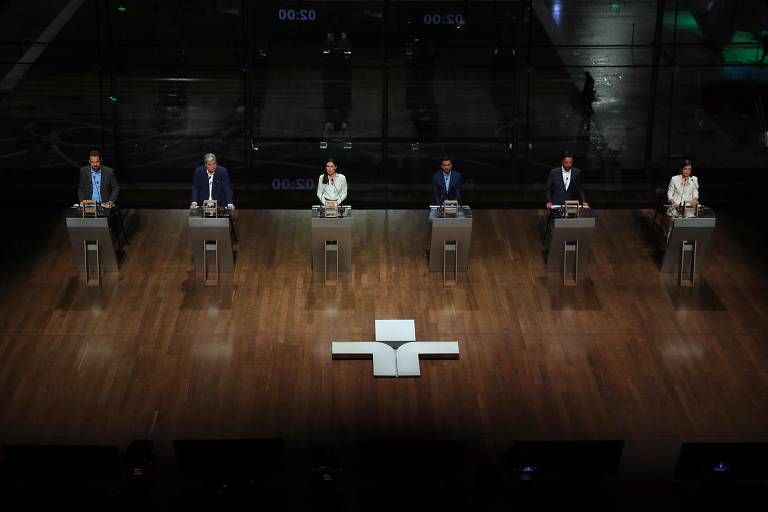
[211, 181]
[98, 182]
[564, 183]
[446, 183]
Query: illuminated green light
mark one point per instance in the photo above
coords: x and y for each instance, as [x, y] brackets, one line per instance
[112, 99]
[685, 20]
[122, 8]
[747, 54]
[615, 6]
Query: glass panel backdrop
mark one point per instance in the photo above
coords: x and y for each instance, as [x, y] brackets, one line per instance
[387, 88]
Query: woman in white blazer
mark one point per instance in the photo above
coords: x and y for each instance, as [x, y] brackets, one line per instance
[331, 186]
[683, 188]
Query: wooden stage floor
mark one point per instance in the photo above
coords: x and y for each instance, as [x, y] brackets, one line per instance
[154, 354]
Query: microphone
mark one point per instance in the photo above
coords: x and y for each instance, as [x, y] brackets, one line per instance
[682, 189]
[333, 182]
[95, 190]
[696, 193]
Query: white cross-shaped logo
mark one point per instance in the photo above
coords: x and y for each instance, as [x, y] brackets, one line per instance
[395, 352]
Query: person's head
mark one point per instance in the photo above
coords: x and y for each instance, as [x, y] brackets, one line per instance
[330, 167]
[686, 168]
[446, 165]
[209, 159]
[94, 160]
[567, 160]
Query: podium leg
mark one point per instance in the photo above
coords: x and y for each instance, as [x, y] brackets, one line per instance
[687, 271]
[451, 246]
[92, 272]
[331, 246]
[210, 278]
[570, 278]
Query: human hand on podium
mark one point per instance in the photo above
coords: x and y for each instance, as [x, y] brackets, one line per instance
[549, 205]
[193, 206]
[231, 206]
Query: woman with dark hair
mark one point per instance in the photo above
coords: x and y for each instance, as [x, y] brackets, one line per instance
[332, 185]
[683, 188]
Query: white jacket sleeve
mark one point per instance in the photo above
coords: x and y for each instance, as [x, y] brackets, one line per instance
[672, 190]
[342, 189]
[320, 188]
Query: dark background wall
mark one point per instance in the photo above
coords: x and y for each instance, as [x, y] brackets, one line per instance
[386, 88]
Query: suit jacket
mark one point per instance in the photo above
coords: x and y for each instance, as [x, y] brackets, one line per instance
[678, 193]
[555, 189]
[328, 190]
[221, 190]
[110, 188]
[439, 192]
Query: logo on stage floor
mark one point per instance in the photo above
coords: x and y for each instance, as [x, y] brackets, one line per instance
[395, 352]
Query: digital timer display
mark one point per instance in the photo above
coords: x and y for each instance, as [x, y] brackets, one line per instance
[444, 19]
[296, 14]
[289, 184]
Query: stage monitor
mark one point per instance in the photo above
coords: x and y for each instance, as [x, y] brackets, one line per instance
[735, 461]
[565, 459]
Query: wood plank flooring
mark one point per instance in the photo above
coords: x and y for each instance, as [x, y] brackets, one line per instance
[153, 353]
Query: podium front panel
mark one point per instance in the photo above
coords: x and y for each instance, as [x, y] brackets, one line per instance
[92, 229]
[445, 229]
[337, 229]
[690, 229]
[565, 230]
[202, 229]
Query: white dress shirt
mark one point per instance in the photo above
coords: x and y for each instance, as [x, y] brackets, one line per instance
[566, 177]
[678, 192]
[334, 190]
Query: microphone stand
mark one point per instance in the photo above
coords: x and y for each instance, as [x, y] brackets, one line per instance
[680, 206]
[333, 182]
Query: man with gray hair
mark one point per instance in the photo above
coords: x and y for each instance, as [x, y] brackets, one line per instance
[211, 181]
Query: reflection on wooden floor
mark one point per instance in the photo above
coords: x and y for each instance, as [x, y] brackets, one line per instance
[626, 355]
